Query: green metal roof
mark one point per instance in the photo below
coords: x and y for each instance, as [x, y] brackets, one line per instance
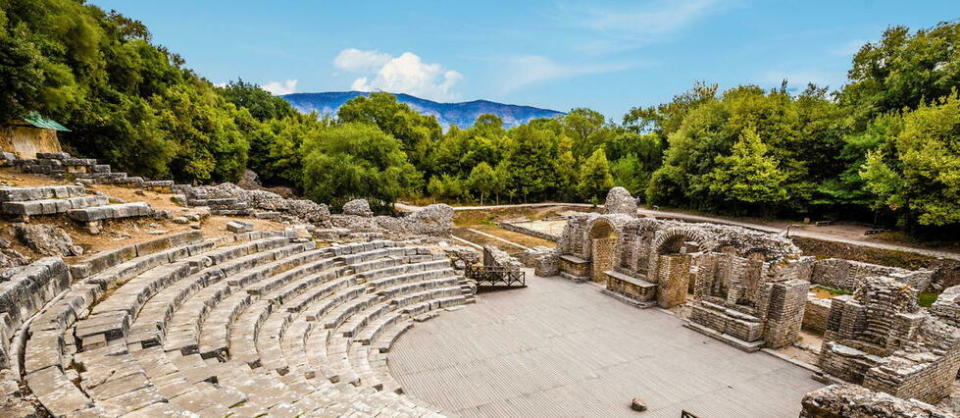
[35, 119]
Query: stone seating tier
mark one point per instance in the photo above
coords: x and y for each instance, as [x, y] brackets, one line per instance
[250, 325]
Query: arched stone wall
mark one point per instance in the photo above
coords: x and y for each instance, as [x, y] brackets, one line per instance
[600, 242]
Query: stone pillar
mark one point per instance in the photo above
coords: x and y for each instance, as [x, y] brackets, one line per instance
[673, 273]
[784, 305]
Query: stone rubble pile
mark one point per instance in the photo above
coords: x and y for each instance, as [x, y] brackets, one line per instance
[228, 199]
[357, 207]
[619, 201]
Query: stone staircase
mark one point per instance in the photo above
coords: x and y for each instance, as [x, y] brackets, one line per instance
[257, 324]
[62, 165]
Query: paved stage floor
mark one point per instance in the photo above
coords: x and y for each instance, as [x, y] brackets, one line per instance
[557, 348]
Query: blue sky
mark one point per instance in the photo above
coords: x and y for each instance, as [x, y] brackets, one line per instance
[608, 55]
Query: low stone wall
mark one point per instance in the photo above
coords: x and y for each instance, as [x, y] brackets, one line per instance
[816, 313]
[718, 319]
[527, 231]
[928, 382]
[946, 272]
[850, 275]
[947, 306]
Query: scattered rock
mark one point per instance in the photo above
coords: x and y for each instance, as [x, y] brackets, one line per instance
[434, 220]
[638, 405]
[47, 240]
[250, 180]
[181, 220]
[239, 227]
[620, 201]
[358, 207]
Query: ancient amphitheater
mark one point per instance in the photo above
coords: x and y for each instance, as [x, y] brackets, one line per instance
[241, 303]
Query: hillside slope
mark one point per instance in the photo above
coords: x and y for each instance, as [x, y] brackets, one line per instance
[460, 114]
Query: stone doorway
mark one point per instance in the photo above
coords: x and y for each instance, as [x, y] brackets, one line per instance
[603, 242]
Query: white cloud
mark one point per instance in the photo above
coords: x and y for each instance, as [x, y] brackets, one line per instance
[278, 88]
[352, 59]
[404, 74]
[525, 70]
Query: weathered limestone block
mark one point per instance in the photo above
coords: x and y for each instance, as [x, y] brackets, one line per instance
[17, 194]
[358, 207]
[47, 240]
[620, 201]
[51, 206]
[239, 227]
[783, 306]
[115, 211]
[851, 275]
[436, 220]
[853, 401]
[545, 261]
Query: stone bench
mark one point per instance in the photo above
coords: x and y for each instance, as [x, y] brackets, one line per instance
[51, 206]
[115, 211]
[630, 289]
[21, 194]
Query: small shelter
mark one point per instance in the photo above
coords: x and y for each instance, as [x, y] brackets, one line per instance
[30, 135]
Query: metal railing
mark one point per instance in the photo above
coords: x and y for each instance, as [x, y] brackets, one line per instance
[496, 276]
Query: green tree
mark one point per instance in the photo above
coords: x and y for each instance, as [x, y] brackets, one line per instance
[924, 174]
[417, 133]
[595, 178]
[357, 161]
[903, 70]
[750, 175]
[482, 179]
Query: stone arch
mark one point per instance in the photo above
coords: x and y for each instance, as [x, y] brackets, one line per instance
[670, 262]
[602, 235]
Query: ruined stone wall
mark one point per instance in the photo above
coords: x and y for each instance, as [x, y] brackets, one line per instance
[852, 401]
[783, 306]
[815, 313]
[906, 378]
[850, 275]
[673, 273]
[947, 306]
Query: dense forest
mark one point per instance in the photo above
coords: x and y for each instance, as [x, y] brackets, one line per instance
[885, 146]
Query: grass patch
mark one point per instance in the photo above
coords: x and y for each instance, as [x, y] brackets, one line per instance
[926, 299]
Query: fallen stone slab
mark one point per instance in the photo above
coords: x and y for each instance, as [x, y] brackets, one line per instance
[239, 227]
[115, 211]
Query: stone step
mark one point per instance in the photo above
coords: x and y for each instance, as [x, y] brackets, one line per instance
[115, 211]
[20, 194]
[51, 206]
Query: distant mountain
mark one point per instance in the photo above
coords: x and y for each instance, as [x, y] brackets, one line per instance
[460, 114]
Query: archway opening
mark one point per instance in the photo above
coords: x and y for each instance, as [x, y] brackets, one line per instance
[603, 242]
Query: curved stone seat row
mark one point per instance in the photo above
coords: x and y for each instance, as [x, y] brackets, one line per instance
[251, 325]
